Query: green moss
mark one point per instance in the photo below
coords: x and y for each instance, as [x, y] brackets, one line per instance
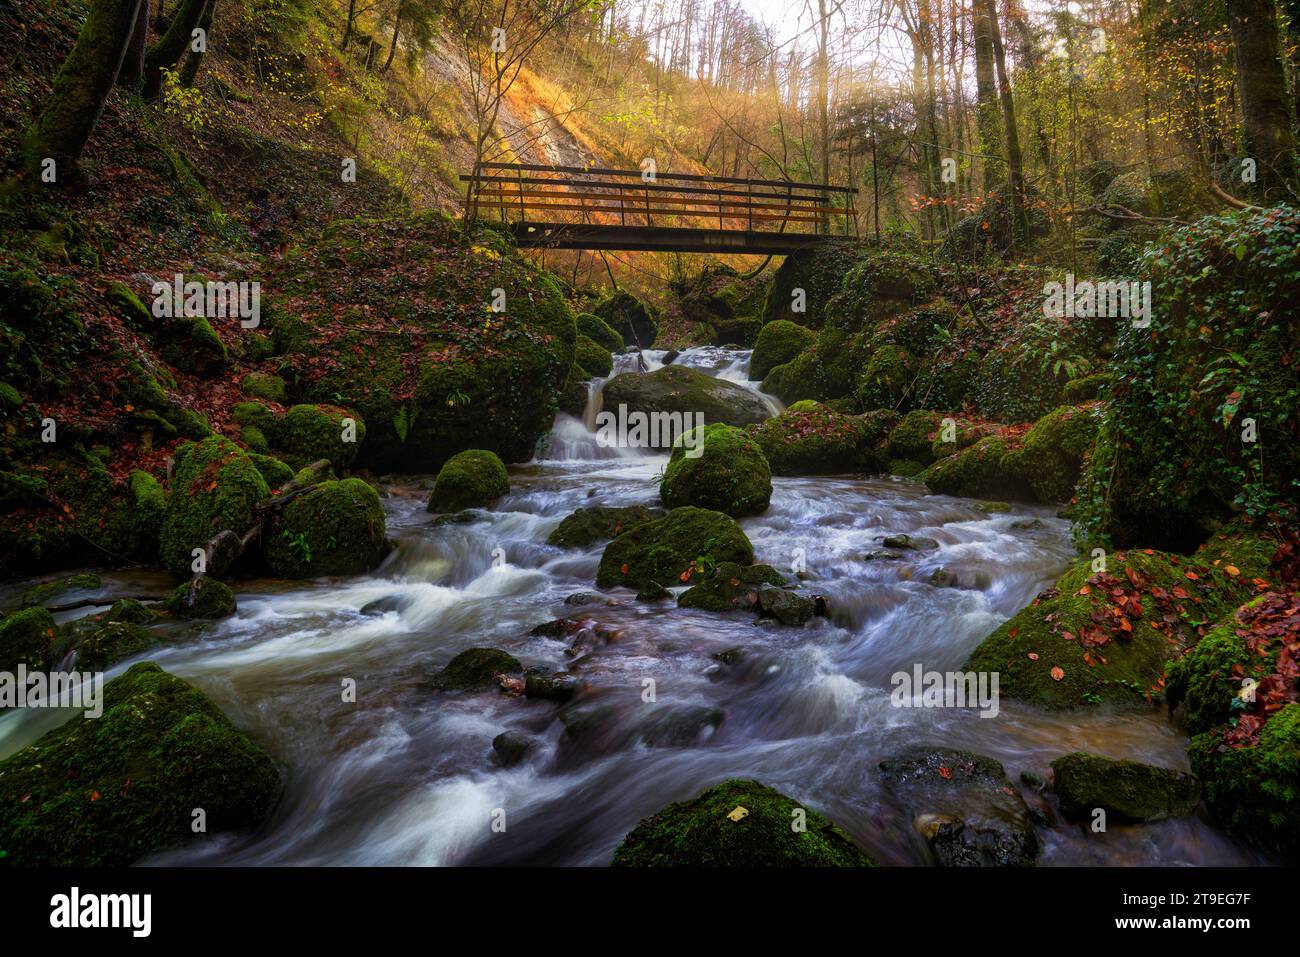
[263, 385]
[818, 272]
[595, 328]
[593, 358]
[975, 472]
[628, 316]
[307, 433]
[823, 442]
[476, 669]
[587, 526]
[194, 346]
[1051, 453]
[682, 390]
[149, 503]
[26, 638]
[701, 833]
[729, 475]
[1087, 388]
[216, 487]
[256, 440]
[129, 307]
[1083, 635]
[276, 473]
[778, 342]
[728, 586]
[662, 549]
[253, 414]
[1126, 790]
[45, 592]
[116, 640]
[886, 382]
[913, 437]
[335, 529]
[108, 791]
[210, 600]
[474, 478]
[1255, 790]
[806, 405]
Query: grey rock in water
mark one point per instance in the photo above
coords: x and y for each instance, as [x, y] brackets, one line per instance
[511, 747]
[916, 542]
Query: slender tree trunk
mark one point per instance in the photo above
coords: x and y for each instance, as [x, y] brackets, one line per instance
[1014, 162]
[1261, 84]
[190, 71]
[171, 45]
[131, 73]
[83, 83]
[347, 29]
[986, 94]
[392, 47]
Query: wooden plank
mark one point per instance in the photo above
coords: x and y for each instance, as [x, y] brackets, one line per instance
[676, 201]
[686, 177]
[642, 187]
[641, 210]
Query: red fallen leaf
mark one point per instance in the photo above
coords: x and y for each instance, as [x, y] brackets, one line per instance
[1148, 551]
[1232, 570]
[1087, 660]
[94, 795]
[686, 575]
[1033, 656]
[945, 772]
[1193, 576]
[1083, 591]
[1013, 632]
[623, 568]
[1057, 673]
[1124, 624]
[1180, 593]
[1067, 636]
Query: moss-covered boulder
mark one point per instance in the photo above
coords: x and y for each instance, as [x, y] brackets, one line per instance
[592, 358]
[667, 550]
[1087, 388]
[886, 382]
[778, 342]
[216, 487]
[476, 669]
[913, 438]
[264, 385]
[728, 587]
[111, 643]
[823, 442]
[738, 824]
[631, 318]
[975, 472]
[727, 473]
[474, 478]
[1052, 451]
[277, 474]
[1201, 415]
[108, 791]
[599, 331]
[808, 279]
[307, 433]
[191, 344]
[682, 390]
[337, 528]
[1126, 790]
[599, 523]
[26, 638]
[1105, 636]
[46, 592]
[407, 340]
[208, 599]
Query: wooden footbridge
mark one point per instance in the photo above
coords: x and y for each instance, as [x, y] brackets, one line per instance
[573, 207]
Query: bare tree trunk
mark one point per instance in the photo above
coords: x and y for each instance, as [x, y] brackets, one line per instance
[392, 47]
[347, 29]
[169, 48]
[73, 107]
[1021, 223]
[1261, 84]
[190, 71]
[986, 94]
[131, 73]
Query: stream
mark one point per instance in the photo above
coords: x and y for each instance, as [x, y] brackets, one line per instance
[407, 775]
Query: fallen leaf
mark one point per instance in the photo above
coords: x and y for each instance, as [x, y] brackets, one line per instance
[1033, 656]
[738, 813]
[945, 772]
[1057, 673]
[1232, 570]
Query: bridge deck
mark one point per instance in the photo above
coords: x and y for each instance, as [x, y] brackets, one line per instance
[568, 207]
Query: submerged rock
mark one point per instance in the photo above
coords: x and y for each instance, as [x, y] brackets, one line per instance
[45, 592]
[597, 523]
[108, 791]
[966, 807]
[512, 747]
[738, 823]
[1125, 790]
[477, 669]
[728, 587]
[784, 605]
[917, 542]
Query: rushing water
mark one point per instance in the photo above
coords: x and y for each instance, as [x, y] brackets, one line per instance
[406, 774]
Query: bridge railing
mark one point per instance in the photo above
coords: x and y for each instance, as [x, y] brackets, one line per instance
[524, 192]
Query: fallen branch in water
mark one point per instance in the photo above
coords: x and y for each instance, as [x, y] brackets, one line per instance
[91, 602]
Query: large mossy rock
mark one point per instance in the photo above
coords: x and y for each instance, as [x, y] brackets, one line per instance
[886, 382]
[108, 791]
[822, 442]
[206, 599]
[709, 831]
[1173, 456]
[309, 433]
[1127, 791]
[599, 331]
[728, 473]
[913, 438]
[818, 272]
[1051, 453]
[402, 333]
[26, 638]
[729, 587]
[336, 528]
[631, 318]
[1236, 686]
[46, 592]
[664, 549]
[681, 389]
[476, 669]
[979, 471]
[599, 523]
[1104, 637]
[216, 487]
[592, 358]
[474, 478]
[778, 342]
[964, 806]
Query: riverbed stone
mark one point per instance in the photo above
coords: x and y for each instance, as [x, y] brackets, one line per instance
[336, 528]
[681, 389]
[597, 523]
[474, 478]
[209, 599]
[477, 669]
[1126, 790]
[668, 548]
[512, 747]
[729, 474]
